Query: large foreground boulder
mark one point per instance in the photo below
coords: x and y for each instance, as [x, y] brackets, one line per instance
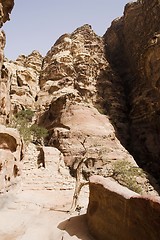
[116, 213]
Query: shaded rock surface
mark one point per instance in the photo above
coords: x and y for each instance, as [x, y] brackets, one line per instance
[133, 49]
[5, 9]
[114, 212]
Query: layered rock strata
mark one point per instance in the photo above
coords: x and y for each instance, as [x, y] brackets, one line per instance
[133, 49]
[114, 212]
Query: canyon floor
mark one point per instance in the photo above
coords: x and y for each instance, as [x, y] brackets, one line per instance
[37, 208]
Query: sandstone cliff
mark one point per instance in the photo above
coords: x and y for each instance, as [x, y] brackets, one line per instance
[133, 49]
[98, 97]
[77, 96]
[5, 10]
[75, 78]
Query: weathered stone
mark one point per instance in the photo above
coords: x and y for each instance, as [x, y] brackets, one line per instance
[11, 154]
[132, 45]
[5, 9]
[73, 65]
[21, 83]
[114, 212]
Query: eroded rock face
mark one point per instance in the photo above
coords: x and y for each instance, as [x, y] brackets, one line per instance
[75, 79]
[5, 9]
[114, 212]
[20, 84]
[73, 66]
[133, 48]
[11, 154]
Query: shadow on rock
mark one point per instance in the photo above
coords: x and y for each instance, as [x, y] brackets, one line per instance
[76, 226]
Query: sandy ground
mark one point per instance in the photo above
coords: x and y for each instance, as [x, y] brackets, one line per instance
[42, 215]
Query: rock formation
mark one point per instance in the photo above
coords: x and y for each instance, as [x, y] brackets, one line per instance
[5, 10]
[75, 78]
[23, 76]
[65, 89]
[114, 212]
[11, 155]
[98, 97]
[133, 49]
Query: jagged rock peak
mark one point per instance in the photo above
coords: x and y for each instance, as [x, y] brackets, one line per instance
[33, 60]
[73, 65]
[86, 30]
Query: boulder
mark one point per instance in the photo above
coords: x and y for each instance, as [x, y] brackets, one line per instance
[115, 212]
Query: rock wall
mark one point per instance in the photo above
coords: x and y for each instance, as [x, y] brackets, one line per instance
[75, 80]
[133, 49]
[79, 81]
[23, 75]
[11, 155]
[5, 9]
[114, 212]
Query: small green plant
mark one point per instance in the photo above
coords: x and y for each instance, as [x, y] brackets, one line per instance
[125, 173]
[38, 132]
[30, 132]
[26, 115]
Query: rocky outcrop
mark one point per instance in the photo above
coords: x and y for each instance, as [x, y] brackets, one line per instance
[20, 84]
[24, 77]
[74, 80]
[11, 154]
[5, 9]
[72, 66]
[133, 49]
[114, 212]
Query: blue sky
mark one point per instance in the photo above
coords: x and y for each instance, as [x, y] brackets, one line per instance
[37, 24]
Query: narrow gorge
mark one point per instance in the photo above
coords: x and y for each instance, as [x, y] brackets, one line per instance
[87, 111]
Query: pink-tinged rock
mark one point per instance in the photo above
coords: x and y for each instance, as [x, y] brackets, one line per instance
[116, 213]
[11, 153]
